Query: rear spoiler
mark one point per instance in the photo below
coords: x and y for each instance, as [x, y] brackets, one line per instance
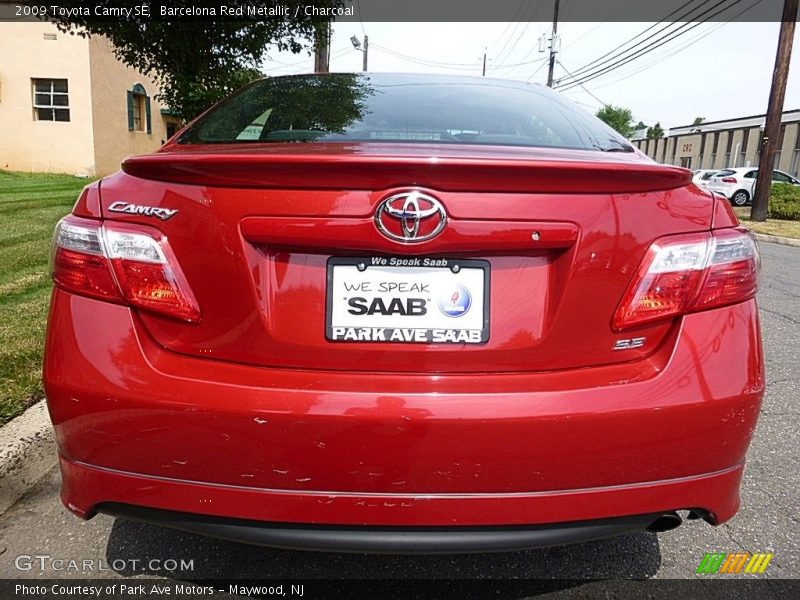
[352, 172]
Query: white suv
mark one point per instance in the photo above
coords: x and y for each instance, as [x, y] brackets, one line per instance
[738, 184]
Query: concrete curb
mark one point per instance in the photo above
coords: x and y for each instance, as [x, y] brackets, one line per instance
[776, 239]
[27, 453]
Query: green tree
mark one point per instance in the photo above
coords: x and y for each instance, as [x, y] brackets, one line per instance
[294, 109]
[655, 132]
[197, 63]
[618, 118]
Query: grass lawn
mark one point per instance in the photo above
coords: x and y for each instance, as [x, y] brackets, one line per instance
[30, 206]
[778, 227]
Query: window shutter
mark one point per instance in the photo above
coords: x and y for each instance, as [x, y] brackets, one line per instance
[147, 110]
[130, 111]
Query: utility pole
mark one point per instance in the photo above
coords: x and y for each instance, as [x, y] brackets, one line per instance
[553, 47]
[357, 46]
[322, 56]
[774, 113]
[484, 63]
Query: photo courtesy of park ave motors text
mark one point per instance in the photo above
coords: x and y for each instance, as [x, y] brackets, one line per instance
[330, 297]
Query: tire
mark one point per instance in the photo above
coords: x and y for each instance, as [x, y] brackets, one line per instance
[740, 198]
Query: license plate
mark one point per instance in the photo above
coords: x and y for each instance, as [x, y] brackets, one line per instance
[407, 300]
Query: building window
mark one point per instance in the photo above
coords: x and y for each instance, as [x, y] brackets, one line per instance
[686, 162]
[781, 138]
[50, 100]
[702, 151]
[743, 148]
[138, 112]
[714, 144]
[139, 109]
[729, 144]
[795, 168]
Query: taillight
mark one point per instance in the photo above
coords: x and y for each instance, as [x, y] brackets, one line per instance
[686, 273]
[729, 180]
[79, 263]
[124, 263]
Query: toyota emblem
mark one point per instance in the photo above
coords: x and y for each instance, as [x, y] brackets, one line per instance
[410, 217]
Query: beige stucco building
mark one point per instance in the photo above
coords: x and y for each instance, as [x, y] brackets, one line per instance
[67, 105]
[728, 143]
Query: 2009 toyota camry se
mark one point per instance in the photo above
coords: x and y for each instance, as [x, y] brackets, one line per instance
[402, 313]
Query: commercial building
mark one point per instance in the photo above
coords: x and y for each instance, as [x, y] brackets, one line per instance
[728, 143]
[67, 105]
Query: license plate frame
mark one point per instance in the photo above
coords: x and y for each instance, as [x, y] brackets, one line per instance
[459, 272]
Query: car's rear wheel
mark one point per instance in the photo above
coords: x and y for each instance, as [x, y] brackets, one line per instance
[740, 198]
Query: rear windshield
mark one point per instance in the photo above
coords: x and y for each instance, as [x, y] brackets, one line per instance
[724, 173]
[402, 108]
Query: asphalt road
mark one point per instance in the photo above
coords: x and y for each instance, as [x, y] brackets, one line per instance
[767, 522]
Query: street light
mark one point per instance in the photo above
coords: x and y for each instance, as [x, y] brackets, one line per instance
[357, 45]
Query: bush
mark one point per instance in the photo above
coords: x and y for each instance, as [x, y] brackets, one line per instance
[784, 202]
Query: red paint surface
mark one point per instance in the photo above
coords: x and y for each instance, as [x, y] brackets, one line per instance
[251, 413]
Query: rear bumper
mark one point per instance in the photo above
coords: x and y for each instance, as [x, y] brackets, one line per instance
[433, 523]
[143, 427]
[391, 540]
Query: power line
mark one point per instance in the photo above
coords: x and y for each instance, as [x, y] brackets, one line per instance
[701, 36]
[302, 62]
[503, 54]
[339, 53]
[515, 65]
[610, 55]
[661, 57]
[585, 89]
[426, 62]
[638, 54]
[659, 42]
[545, 61]
[599, 25]
[506, 49]
[447, 65]
[360, 18]
[508, 25]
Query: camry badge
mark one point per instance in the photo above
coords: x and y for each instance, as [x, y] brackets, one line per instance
[147, 211]
[410, 217]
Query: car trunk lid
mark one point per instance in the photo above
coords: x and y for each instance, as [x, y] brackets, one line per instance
[256, 230]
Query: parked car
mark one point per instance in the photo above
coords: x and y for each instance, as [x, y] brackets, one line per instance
[738, 184]
[700, 177]
[402, 313]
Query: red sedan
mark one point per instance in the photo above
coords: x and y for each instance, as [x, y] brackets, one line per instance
[402, 313]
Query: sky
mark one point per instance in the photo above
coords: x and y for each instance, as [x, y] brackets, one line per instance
[711, 70]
